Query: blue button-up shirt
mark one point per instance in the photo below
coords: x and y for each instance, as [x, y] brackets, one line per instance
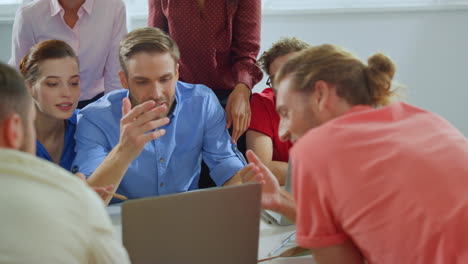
[171, 163]
[68, 152]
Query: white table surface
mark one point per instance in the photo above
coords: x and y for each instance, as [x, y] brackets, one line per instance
[271, 237]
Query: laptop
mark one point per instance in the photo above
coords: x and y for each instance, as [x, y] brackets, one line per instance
[275, 218]
[209, 226]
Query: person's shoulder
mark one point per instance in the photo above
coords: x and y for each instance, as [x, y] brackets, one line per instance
[73, 118]
[358, 123]
[320, 142]
[36, 169]
[48, 180]
[267, 93]
[114, 4]
[266, 97]
[389, 113]
[111, 2]
[33, 8]
[105, 103]
[192, 91]
[311, 138]
[401, 108]
[362, 119]
[106, 2]
[411, 117]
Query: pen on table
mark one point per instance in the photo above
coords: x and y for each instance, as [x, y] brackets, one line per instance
[287, 253]
[116, 195]
[286, 240]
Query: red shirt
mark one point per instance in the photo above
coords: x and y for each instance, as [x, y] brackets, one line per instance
[394, 180]
[266, 120]
[218, 45]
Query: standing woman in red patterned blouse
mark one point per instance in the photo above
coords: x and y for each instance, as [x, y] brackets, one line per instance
[219, 41]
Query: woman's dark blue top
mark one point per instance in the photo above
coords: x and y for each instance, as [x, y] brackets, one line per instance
[68, 153]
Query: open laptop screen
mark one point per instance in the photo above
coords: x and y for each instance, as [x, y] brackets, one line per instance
[216, 225]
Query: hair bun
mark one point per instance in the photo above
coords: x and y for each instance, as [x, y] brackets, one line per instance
[24, 64]
[381, 63]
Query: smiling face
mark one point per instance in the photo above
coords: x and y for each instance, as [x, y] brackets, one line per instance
[57, 90]
[151, 76]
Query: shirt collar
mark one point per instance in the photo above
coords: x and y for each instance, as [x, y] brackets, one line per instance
[88, 6]
[177, 101]
[55, 7]
[358, 108]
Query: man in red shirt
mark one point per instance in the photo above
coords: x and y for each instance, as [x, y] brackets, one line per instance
[373, 182]
[263, 135]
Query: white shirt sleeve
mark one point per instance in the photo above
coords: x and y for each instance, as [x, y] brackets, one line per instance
[104, 246]
[22, 37]
[112, 66]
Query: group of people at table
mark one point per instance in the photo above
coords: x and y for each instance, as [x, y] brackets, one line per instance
[169, 108]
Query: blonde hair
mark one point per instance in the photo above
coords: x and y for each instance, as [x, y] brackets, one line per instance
[14, 97]
[356, 82]
[146, 39]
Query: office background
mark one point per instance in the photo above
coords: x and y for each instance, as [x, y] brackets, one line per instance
[428, 43]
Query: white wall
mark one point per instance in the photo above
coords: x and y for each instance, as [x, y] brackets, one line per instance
[430, 49]
[5, 41]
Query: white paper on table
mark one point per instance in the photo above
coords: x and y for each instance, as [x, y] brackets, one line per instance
[292, 260]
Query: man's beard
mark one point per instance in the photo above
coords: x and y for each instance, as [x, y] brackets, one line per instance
[170, 102]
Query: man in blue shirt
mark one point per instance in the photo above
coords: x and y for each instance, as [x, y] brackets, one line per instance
[154, 147]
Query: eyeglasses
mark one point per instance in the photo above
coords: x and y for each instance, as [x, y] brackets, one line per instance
[268, 82]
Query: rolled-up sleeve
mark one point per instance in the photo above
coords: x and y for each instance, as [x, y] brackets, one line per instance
[156, 16]
[316, 222]
[218, 152]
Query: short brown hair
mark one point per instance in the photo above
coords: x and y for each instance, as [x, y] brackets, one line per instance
[44, 50]
[356, 82]
[280, 48]
[146, 39]
[14, 97]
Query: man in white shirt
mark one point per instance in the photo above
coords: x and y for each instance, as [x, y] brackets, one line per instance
[47, 214]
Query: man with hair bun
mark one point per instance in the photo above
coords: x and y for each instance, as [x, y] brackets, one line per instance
[373, 182]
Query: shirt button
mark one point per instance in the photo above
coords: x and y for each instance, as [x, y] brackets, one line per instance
[161, 184]
[161, 160]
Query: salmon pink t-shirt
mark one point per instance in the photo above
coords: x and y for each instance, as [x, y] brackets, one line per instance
[394, 180]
